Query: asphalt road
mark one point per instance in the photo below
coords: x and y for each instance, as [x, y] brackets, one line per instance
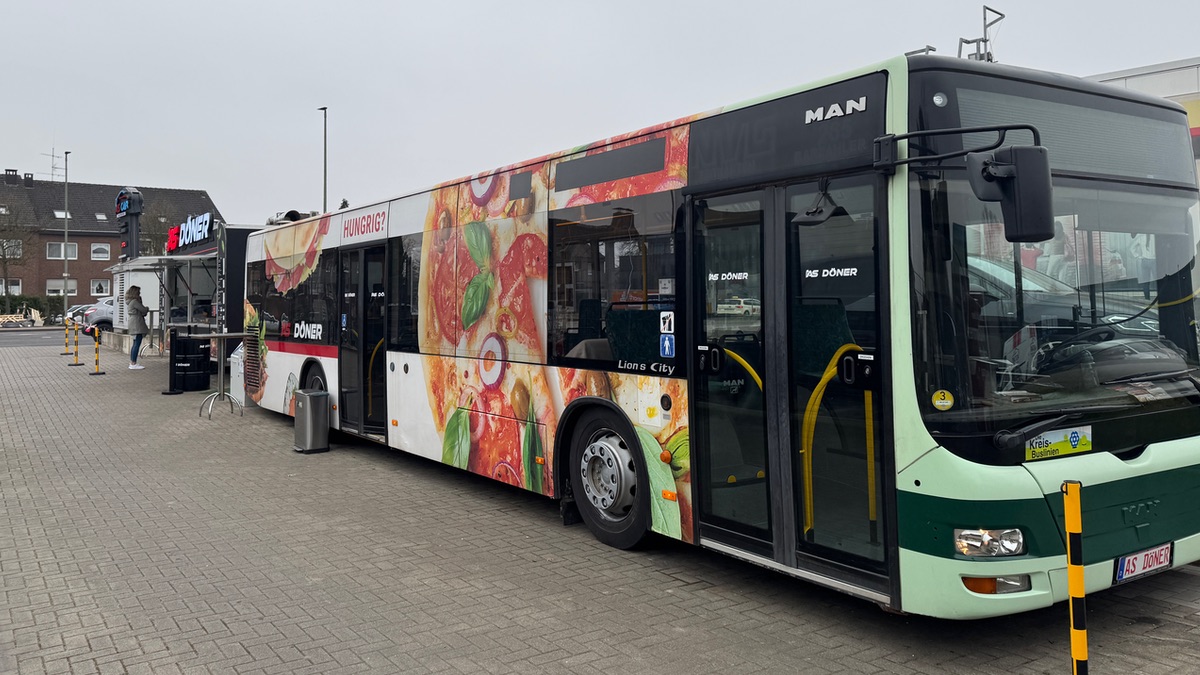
[139, 537]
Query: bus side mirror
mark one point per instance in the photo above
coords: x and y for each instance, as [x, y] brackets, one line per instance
[1019, 178]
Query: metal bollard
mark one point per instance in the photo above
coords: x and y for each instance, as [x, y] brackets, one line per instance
[1073, 515]
[66, 336]
[77, 363]
[96, 338]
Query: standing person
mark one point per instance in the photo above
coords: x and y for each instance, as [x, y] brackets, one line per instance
[1142, 250]
[137, 323]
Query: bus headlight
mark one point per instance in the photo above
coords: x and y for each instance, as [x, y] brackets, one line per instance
[989, 543]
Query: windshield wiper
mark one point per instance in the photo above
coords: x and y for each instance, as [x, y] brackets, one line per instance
[1151, 377]
[1006, 440]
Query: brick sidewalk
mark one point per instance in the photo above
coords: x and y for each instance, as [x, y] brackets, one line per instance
[138, 537]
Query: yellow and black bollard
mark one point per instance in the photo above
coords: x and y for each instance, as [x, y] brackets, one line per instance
[1075, 587]
[66, 336]
[95, 330]
[77, 363]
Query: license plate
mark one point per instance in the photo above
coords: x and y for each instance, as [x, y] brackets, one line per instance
[1144, 562]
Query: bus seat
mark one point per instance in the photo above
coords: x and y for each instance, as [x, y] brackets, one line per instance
[820, 327]
[633, 334]
[589, 318]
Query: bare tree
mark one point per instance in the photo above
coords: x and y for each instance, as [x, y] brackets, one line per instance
[157, 218]
[16, 241]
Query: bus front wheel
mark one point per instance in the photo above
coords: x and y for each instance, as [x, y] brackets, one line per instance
[608, 480]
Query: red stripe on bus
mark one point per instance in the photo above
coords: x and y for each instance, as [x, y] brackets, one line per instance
[326, 351]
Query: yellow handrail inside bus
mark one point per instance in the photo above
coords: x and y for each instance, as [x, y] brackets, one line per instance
[370, 380]
[809, 430]
[749, 369]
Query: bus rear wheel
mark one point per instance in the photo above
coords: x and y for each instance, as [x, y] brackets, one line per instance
[315, 379]
[608, 480]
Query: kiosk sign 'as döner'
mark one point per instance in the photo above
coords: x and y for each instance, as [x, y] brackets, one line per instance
[195, 230]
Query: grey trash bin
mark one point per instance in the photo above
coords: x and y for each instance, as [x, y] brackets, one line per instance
[312, 421]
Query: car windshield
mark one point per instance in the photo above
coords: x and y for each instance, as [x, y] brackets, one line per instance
[1100, 319]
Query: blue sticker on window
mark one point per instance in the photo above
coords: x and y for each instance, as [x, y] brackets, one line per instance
[666, 346]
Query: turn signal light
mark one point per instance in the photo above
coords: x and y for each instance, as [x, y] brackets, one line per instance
[997, 585]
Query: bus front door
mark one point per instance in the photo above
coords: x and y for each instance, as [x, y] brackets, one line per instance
[362, 358]
[788, 459]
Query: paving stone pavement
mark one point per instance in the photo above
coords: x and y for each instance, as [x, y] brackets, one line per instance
[138, 537]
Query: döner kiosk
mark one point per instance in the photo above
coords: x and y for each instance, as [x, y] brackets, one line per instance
[200, 280]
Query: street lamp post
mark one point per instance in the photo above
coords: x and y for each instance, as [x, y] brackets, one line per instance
[324, 158]
[66, 226]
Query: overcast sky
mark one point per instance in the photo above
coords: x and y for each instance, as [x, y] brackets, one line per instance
[222, 95]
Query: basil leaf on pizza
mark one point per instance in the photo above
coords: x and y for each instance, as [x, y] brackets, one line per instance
[479, 244]
[531, 450]
[475, 298]
[456, 444]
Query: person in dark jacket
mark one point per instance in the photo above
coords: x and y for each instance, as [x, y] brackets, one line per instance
[137, 323]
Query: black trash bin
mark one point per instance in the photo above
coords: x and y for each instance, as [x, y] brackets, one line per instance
[192, 373]
[190, 368]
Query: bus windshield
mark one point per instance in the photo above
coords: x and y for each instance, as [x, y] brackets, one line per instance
[1096, 324]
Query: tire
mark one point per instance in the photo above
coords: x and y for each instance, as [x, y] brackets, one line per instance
[608, 479]
[747, 312]
[104, 326]
[315, 379]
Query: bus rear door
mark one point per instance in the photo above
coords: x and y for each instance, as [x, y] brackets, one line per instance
[362, 357]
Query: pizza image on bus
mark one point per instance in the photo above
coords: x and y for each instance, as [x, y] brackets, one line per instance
[486, 380]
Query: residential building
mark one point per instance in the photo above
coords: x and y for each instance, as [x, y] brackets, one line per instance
[32, 242]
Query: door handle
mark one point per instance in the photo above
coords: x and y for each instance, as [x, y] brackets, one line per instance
[710, 358]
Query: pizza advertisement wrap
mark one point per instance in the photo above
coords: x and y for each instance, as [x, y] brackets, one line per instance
[482, 333]
[480, 284]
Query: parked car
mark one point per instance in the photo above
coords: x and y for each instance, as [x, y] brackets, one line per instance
[736, 305]
[100, 314]
[75, 312]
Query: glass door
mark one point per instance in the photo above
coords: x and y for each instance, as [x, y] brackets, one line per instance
[735, 486]
[362, 359]
[833, 311]
[788, 455]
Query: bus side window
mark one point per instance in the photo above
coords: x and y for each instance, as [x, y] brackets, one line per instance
[405, 269]
[612, 280]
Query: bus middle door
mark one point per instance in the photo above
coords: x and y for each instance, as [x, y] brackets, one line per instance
[362, 358]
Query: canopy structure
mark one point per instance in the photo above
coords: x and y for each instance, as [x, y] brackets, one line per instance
[187, 285]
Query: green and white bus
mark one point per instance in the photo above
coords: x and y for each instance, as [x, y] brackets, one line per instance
[857, 332]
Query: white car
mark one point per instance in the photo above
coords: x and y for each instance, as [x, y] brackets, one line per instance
[744, 306]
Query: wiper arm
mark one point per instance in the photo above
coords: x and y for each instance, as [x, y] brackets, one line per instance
[1006, 440]
[1151, 377]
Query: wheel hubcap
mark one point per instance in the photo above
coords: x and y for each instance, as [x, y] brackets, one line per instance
[609, 479]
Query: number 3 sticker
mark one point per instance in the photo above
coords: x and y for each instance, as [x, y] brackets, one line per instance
[943, 400]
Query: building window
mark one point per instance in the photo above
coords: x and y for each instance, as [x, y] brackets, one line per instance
[62, 214]
[3, 209]
[54, 250]
[55, 286]
[11, 249]
[100, 286]
[101, 216]
[100, 251]
[10, 286]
